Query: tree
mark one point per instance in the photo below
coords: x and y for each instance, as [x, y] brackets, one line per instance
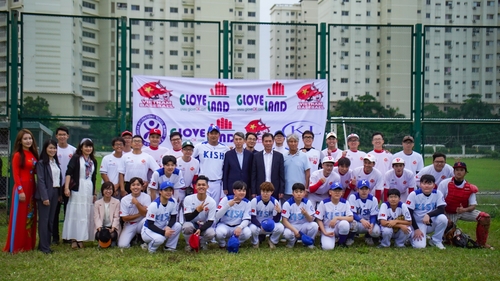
[33, 109]
[104, 132]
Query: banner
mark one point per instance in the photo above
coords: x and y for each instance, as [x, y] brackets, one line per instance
[190, 105]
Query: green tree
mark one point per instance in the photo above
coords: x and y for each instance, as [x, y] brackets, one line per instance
[34, 108]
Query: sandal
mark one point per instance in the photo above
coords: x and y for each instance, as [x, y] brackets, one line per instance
[74, 245]
[80, 245]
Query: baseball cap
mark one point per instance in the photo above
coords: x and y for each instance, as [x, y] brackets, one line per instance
[460, 165]
[194, 242]
[328, 159]
[187, 143]
[398, 160]
[331, 134]
[213, 127]
[154, 132]
[267, 225]
[363, 183]
[166, 184]
[306, 240]
[233, 244]
[335, 185]
[352, 136]
[127, 133]
[408, 138]
[370, 157]
[104, 238]
[279, 132]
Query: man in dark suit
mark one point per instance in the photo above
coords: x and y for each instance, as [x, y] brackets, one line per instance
[237, 165]
[268, 165]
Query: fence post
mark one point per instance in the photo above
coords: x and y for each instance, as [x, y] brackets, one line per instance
[323, 57]
[14, 74]
[123, 73]
[225, 49]
[418, 110]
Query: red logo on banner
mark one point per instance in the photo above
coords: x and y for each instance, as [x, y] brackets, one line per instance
[153, 90]
[220, 90]
[277, 89]
[257, 127]
[224, 124]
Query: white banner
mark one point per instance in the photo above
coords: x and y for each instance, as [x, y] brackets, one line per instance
[191, 105]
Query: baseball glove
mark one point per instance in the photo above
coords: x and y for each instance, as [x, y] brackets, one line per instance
[396, 229]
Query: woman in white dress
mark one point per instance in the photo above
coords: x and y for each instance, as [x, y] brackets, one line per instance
[80, 188]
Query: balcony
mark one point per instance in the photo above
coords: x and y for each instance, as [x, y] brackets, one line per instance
[188, 31]
[239, 34]
[187, 16]
[239, 5]
[239, 61]
[239, 47]
[188, 45]
[187, 73]
[187, 59]
[188, 2]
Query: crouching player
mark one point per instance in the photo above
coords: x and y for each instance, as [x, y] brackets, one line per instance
[161, 222]
[395, 220]
[199, 214]
[264, 207]
[333, 216]
[364, 207]
[426, 207]
[233, 214]
[298, 216]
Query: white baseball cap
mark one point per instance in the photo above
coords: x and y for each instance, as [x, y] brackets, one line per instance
[370, 157]
[352, 136]
[398, 160]
[328, 159]
[331, 134]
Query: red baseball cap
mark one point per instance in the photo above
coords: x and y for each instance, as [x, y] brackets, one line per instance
[194, 242]
[127, 133]
[155, 131]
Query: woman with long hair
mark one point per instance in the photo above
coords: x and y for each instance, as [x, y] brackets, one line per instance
[21, 235]
[79, 186]
[48, 192]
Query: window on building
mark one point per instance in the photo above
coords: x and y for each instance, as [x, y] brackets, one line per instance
[173, 67]
[89, 20]
[135, 37]
[251, 69]
[251, 28]
[148, 38]
[250, 56]
[345, 13]
[251, 42]
[344, 94]
[88, 107]
[88, 93]
[174, 9]
[148, 66]
[174, 39]
[88, 5]
[251, 14]
[148, 9]
[88, 49]
[135, 7]
[87, 63]
[88, 78]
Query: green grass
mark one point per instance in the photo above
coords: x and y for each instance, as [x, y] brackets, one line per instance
[358, 262]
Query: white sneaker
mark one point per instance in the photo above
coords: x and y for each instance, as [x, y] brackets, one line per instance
[188, 249]
[311, 247]
[439, 245]
[144, 246]
[349, 242]
[369, 241]
[256, 246]
[271, 244]
[169, 249]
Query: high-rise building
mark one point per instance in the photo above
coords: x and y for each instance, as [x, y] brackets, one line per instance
[72, 61]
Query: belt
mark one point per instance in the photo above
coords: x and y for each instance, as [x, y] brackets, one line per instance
[215, 180]
[56, 187]
[183, 188]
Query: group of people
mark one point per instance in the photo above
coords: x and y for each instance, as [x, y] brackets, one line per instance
[151, 194]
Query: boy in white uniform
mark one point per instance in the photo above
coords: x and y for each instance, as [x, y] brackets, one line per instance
[331, 149]
[414, 161]
[364, 207]
[320, 181]
[189, 166]
[399, 178]
[313, 155]
[111, 164]
[426, 206]
[154, 149]
[371, 174]
[347, 180]
[233, 214]
[355, 156]
[298, 216]
[160, 224]
[395, 221]
[170, 173]
[333, 217]
[382, 157]
[133, 209]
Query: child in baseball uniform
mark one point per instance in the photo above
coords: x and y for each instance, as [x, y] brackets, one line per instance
[320, 181]
[426, 206]
[399, 178]
[364, 207]
[265, 206]
[133, 209]
[160, 224]
[169, 173]
[298, 216]
[233, 214]
[395, 220]
[333, 216]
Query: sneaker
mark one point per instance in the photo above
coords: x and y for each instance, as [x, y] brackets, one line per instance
[299, 241]
[144, 246]
[343, 245]
[169, 249]
[283, 240]
[381, 247]
[437, 245]
[349, 242]
[369, 241]
[255, 246]
[204, 246]
[290, 245]
[188, 249]
[271, 244]
[311, 247]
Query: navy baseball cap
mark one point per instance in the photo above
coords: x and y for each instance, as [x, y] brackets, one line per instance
[213, 127]
[279, 132]
[166, 184]
[460, 165]
[363, 183]
[268, 225]
[335, 185]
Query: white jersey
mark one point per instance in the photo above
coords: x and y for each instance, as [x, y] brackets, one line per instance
[365, 208]
[176, 153]
[402, 183]
[356, 158]
[157, 153]
[422, 204]
[336, 154]
[111, 166]
[293, 212]
[262, 210]
[160, 214]
[64, 155]
[211, 159]
[375, 178]
[208, 214]
[443, 187]
[234, 215]
[345, 179]
[386, 212]
[323, 189]
[446, 172]
[327, 211]
[413, 162]
[189, 169]
[314, 158]
[282, 149]
[138, 165]
[383, 160]
[159, 177]
[128, 209]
